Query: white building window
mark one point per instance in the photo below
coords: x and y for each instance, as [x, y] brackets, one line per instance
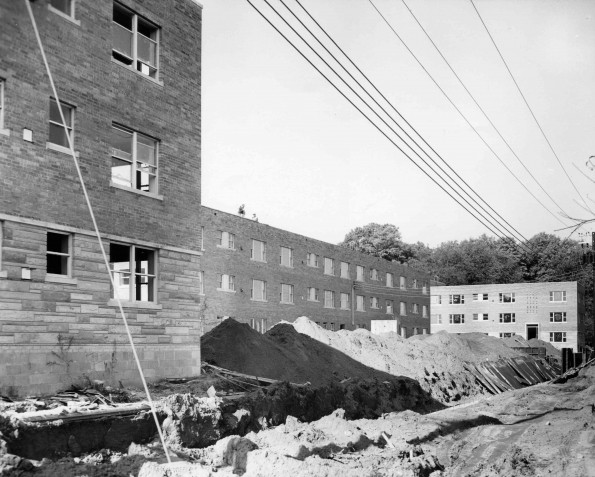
[558, 317]
[286, 293]
[456, 299]
[424, 311]
[58, 133]
[344, 270]
[507, 335]
[258, 325]
[259, 290]
[485, 317]
[135, 41]
[312, 294]
[359, 303]
[389, 307]
[359, 273]
[456, 319]
[345, 301]
[329, 299]
[389, 280]
[557, 296]
[227, 283]
[201, 283]
[475, 316]
[286, 257]
[226, 240]
[436, 318]
[480, 297]
[402, 283]
[65, 7]
[558, 336]
[403, 308]
[435, 299]
[312, 260]
[59, 253]
[259, 251]
[507, 298]
[373, 274]
[134, 159]
[507, 318]
[329, 266]
[134, 270]
[374, 303]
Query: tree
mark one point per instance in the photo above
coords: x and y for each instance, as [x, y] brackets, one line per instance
[382, 241]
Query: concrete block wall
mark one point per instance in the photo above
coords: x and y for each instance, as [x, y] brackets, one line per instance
[55, 333]
[237, 262]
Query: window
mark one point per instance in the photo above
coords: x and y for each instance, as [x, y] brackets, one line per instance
[227, 283]
[286, 257]
[65, 7]
[135, 41]
[58, 133]
[415, 308]
[436, 318]
[312, 294]
[456, 299]
[424, 311]
[226, 240]
[359, 303]
[312, 260]
[456, 319]
[475, 316]
[389, 307]
[507, 318]
[558, 317]
[1, 104]
[329, 266]
[58, 253]
[259, 290]
[201, 283]
[389, 280]
[485, 317]
[134, 271]
[558, 296]
[424, 290]
[558, 337]
[403, 308]
[507, 298]
[286, 293]
[480, 297]
[341, 327]
[258, 252]
[345, 301]
[374, 303]
[435, 299]
[258, 325]
[344, 270]
[329, 299]
[373, 274]
[414, 283]
[414, 331]
[202, 238]
[402, 283]
[359, 273]
[507, 335]
[134, 159]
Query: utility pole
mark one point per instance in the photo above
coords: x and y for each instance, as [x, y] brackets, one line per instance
[593, 296]
[589, 257]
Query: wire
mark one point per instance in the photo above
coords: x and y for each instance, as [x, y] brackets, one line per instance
[483, 111]
[527, 104]
[96, 228]
[365, 115]
[459, 111]
[396, 111]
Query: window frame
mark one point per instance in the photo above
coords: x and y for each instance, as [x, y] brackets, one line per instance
[347, 301]
[201, 282]
[403, 308]
[453, 317]
[424, 311]
[68, 255]
[562, 317]
[502, 297]
[435, 299]
[563, 296]
[390, 280]
[230, 239]
[132, 274]
[563, 336]
[309, 256]
[264, 290]
[290, 288]
[389, 307]
[230, 283]
[374, 303]
[69, 128]
[504, 317]
[68, 16]
[344, 270]
[360, 303]
[263, 254]
[329, 299]
[437, 317]
[461, 299]
[3, 129]
[402, 282]
[308, 294]
[329, 266]
[374, 274]
[290, 255]
[360, 273]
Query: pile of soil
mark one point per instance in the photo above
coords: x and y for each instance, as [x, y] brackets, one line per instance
[282, 353]
[437, 362]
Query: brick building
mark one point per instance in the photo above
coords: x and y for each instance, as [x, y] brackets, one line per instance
[261, 275]
[128, 77]
[550, 311]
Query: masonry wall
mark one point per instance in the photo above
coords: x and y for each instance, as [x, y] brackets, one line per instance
[532, 306]
[237, 262]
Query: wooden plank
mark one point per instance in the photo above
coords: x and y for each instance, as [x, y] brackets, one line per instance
[89, 415]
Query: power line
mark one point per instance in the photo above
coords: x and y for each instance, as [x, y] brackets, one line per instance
[483, 111]
[459, 111]
[527, 104]
[368, 117]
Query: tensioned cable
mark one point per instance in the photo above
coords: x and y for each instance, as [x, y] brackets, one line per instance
[96, 228]
[460, 112]
[482, 110]
[369, 119]
[400, 115]
[528, 106]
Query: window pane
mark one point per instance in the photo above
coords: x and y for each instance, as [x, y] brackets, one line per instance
[122, 16]
[62, 5]
[121, 172]
[58, 135]
[145, 149]
[55, 113]
[57, 264]
[120, 265]
[145, 261]
[121, 143]
[146, 50]
[57, 242]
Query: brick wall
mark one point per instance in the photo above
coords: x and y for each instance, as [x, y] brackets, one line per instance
[217, 260]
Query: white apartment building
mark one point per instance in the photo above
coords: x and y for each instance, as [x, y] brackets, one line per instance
[550, 311]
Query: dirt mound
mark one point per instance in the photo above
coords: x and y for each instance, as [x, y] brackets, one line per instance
[550, 349]
[282, 353]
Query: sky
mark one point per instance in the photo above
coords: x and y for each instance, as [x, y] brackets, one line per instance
[279, 139]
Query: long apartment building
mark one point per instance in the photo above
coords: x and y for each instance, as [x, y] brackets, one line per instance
[550, 311]
[261, 275]
[127, 74]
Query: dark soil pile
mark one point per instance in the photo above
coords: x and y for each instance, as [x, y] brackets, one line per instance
[282, 353]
